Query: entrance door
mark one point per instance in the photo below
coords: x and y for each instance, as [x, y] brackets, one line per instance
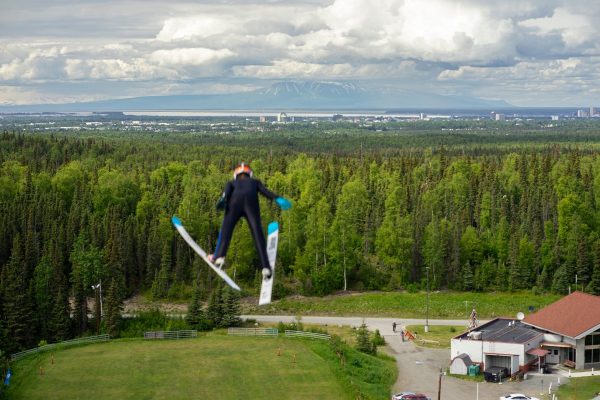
[554, 356]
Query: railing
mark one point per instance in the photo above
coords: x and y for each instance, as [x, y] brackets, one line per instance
[253, 331]
[311, 335]
[66, 343]
[171, 335]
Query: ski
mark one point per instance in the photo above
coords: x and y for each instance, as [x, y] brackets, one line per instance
[188, 239]
[266, 288]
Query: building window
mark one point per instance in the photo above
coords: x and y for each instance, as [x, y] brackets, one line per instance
[592, 356]
[592, 340]
[555, 352]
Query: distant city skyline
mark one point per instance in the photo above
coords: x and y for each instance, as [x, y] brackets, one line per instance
[525, 52]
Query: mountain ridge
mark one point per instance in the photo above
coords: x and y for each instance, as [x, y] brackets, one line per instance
[283, 95]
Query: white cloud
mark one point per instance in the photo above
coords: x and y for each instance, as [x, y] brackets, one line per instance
[294, 69]
[199, 26]
[190, 56]
[457, 44]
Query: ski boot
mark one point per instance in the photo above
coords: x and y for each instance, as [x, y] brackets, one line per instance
[266, 273]
[218, 262]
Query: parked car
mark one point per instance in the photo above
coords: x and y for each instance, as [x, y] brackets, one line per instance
[517, 396]
[409, 396]
[495, 374]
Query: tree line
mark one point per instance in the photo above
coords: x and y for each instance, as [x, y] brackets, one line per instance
[75, 212]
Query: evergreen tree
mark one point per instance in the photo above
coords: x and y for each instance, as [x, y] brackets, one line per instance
[80, 311]
[162, 281]
[43, 296]
[60, 322]
[231, 307]
[467, 273]
[195, 317]
[560, 283]
[363, 340]
[215, 309]
[594, 286]
[17, 305]
[113, 308]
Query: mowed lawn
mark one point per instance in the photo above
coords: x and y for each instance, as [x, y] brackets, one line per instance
[442, 305]
[210, 367]
[580, 388]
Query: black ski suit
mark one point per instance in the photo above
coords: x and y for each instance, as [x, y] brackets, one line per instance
[240, 199]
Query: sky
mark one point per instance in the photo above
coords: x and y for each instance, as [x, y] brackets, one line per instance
[526, 52]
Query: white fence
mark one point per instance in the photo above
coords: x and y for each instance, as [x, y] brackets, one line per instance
[311, 335]
[84, 340]
[171, 335]
[253, 331]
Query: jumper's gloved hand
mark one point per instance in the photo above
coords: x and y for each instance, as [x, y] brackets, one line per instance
[221, 203]
[283, 203]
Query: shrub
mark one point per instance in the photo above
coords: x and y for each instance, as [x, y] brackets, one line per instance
[378, 340]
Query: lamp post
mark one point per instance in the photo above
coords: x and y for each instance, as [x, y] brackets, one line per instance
[427, 304]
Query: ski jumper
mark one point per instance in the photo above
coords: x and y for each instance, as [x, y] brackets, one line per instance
[240, 199]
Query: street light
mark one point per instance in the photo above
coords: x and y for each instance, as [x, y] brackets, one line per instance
[427, 306]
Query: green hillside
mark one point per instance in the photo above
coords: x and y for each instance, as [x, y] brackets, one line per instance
[211, 367]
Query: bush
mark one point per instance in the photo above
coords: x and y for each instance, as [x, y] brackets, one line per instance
[153, 320]
[292, 326]
[378, 340]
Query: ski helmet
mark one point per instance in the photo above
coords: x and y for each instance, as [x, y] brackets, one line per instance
[242, 169]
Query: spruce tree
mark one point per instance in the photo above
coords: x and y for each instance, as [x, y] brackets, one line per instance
[363, 340]
[18, 309]
[594, 286]
[231, 303]
[80, 311]
[60, 321]
[113, 308]
[195, 317]
[215, 309]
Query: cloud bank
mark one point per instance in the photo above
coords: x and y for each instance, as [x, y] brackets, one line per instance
[529, 52]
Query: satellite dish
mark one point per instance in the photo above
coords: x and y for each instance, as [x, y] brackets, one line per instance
[520, 316]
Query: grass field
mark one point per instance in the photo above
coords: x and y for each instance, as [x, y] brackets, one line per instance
[439, 334]
[210, 367]
[580, 388]
[443, 305]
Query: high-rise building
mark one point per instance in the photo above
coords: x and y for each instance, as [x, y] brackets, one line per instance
[593, 111]
[282, 117]
[583, 114]
[500, 117]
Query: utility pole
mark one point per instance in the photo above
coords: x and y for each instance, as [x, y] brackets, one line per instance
[440, 386]
[427, 306]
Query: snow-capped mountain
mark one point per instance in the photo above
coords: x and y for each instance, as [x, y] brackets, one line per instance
[312, 95]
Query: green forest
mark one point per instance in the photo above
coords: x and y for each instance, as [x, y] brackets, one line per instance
[497, 209]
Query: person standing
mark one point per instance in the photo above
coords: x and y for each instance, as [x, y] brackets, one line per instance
[394, 326]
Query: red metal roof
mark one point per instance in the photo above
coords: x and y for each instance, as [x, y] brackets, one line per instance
[570, 316]
[538, 352]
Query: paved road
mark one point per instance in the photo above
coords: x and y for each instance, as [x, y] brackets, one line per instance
[419, 368]
[383, 324]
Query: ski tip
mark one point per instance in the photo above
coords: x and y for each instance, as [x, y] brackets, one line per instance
[273, 226]
[176, 221]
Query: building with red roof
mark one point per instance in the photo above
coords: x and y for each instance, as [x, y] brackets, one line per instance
[565, 332]
[571, 329]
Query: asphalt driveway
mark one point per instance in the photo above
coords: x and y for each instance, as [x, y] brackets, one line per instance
[419, 371]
